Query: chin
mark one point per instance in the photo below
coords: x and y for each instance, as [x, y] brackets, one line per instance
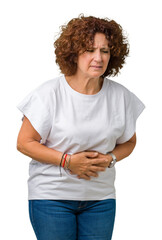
[96, 75]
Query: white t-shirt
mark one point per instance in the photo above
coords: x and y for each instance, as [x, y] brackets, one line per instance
[71, 122]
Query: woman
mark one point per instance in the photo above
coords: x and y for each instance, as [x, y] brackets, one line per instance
[75, 128]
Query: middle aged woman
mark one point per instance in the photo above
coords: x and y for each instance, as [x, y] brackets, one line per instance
[75, 128]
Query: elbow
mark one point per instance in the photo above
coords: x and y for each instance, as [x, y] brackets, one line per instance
[22, 147]
[133, 141]
[19, 146]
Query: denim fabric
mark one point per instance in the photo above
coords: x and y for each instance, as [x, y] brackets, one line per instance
[72, 220]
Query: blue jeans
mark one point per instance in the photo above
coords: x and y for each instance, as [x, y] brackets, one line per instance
[72, 220]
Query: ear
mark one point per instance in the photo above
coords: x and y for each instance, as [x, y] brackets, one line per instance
[76, 59]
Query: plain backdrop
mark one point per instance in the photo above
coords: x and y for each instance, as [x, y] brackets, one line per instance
[28, 29]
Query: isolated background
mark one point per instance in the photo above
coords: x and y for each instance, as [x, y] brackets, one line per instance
[28, 30]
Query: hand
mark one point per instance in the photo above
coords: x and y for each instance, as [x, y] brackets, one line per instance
[88, 164]
[108, 157]
[105, 164]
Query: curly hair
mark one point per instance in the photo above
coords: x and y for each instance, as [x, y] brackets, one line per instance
[78, 35]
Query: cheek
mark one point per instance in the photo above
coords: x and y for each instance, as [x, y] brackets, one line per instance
[84, 61]
[107, 59]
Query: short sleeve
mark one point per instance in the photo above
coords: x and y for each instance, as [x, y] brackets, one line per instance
[33, 107]
[133, 107]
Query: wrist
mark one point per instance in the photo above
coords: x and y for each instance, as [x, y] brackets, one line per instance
[109, 159]
[112, 161]
[65, 160]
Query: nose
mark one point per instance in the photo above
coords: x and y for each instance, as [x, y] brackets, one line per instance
[98, 56]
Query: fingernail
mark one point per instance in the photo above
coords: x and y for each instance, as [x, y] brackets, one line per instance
[95, 154]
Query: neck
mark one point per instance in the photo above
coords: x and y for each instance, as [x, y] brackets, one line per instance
[85, 85]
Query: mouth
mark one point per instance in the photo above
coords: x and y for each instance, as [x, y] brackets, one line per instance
[97, 67]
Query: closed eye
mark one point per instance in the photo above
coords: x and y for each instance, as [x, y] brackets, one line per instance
[90, 50]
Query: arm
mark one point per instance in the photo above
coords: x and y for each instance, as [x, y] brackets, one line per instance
[28, 143]
[121, 151]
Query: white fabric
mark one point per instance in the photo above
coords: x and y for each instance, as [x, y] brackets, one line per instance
[71, 122]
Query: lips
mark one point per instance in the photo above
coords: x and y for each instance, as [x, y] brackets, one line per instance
[96, 66]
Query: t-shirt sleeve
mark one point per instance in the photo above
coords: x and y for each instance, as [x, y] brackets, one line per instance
[132, 109]
[33, 107]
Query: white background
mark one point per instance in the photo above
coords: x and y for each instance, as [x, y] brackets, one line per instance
[27, 59]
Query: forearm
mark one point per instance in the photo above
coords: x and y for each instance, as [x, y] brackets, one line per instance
[122, 151]
[40, 152]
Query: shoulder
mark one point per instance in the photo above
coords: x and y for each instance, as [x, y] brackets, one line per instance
[118, 89]
[48, 87]
[46, 93]
[124, 96]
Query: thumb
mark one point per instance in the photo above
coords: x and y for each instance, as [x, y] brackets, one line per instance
[91, 154]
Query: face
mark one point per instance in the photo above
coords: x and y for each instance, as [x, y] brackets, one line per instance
[94, 61]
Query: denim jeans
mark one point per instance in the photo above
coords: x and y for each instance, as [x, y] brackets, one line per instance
[72, 220]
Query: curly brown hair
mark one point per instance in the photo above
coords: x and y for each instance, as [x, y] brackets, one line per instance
[78, 35]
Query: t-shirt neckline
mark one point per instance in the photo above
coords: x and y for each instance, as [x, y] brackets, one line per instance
[74, 92]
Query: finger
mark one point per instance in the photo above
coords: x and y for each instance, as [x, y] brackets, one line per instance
[92, 174]
[91, 154]
[84, 176]
[99, 161]
[104, 165]
[98, 169]
[71, 172]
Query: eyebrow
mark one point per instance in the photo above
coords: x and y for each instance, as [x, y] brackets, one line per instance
[103, 48]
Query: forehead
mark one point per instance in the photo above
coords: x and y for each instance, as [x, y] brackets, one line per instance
[100, 40]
